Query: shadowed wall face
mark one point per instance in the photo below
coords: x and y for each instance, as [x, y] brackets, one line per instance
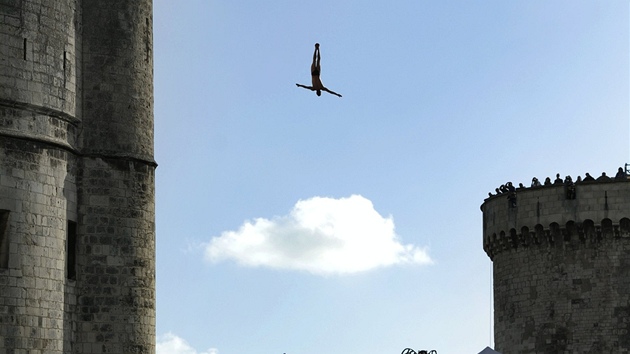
[116, 233]
[116, 256]
[561, 268]
[118, 78]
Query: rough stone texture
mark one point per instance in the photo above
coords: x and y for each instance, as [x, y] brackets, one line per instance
[118, 78]
[116, 253]
[37, 43]
[36, 185]
[76, 148]
[561, 269]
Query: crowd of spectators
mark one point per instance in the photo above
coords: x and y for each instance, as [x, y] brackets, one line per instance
[509, 189]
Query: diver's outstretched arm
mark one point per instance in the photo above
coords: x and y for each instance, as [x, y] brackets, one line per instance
[330, 91]
[306, 87]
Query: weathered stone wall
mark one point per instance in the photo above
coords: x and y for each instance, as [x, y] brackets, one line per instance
[37, 65]
[76, 145]
[37, 187]
[116, 256]
[118, 78]
[116, 243]
[37, 170]
[561, 268]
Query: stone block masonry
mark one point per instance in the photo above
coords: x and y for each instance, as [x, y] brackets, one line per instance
[561, 266]
[32, 283]
[77, 177]
[116, 255]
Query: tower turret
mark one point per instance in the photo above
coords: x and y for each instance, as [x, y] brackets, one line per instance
[77, 231]
[116, 231]
[38, 159]
[561, 261]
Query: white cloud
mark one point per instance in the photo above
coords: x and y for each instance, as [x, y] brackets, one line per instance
[172, 344]
[321, 236]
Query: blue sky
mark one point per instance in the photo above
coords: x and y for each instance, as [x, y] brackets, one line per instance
[291, 223]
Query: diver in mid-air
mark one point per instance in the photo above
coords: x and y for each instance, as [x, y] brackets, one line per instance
[315, 72]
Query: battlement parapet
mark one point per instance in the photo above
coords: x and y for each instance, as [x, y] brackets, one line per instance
[554, 216]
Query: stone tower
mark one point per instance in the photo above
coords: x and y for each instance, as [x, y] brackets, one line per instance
[561, 263]
[77, 220]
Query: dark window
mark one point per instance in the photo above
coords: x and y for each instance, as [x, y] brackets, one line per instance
[71, 251]
[24, 48]
[4, 239]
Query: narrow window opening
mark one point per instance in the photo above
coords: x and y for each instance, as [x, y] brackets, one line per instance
[24, 48]
[71, 251]
[64, 68]
[148, 42]
[4, 239]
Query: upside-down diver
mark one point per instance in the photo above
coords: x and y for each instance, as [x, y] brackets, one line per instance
[315, 72]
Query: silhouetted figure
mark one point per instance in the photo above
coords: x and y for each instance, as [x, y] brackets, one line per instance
[315, 72]
[569, 187]
[511, 194]
[621, 174]
[520, 185]
[578, 180]
[603, 178]
[547, 181]
[558, 180]
[588, 178]
[535, 182]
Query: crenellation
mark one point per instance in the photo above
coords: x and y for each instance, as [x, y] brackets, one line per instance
[561, 268]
